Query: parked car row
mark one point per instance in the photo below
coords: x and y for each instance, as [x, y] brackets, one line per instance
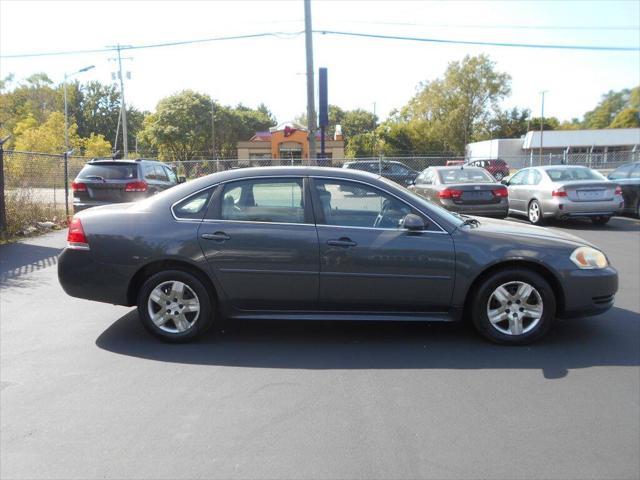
[539, 193]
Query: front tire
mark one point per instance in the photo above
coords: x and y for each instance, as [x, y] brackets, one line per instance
[534, 212]
[175, 306]
[514, 307]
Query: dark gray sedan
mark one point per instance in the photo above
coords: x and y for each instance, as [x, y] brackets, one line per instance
[463, 189]
[292, 243]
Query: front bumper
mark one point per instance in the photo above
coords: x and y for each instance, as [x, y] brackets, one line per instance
[81, 276]
[589, 292]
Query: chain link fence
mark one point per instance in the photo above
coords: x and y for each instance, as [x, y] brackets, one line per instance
[35, 183]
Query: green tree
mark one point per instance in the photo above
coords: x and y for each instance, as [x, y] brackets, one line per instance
[507, 124]
[612, 104]
[459, 105]
[627, 118]
[48, 137]
[180, 126]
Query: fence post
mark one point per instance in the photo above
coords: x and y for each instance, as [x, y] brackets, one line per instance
[66, 184]
[3, 212]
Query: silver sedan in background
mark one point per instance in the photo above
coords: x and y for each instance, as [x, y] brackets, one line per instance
[563, 191]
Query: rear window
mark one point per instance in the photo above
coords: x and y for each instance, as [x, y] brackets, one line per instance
[109, 171]
[570, 174]
[465, 175]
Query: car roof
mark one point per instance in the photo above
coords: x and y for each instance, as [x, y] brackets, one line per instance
[454, 167]
[123, 161]
[549, 167]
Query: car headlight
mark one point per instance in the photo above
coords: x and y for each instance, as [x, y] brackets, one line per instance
[589, 258]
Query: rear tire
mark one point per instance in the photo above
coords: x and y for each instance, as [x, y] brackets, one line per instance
[600, 220]
[175, 306]
[534, 213]
[526, 319]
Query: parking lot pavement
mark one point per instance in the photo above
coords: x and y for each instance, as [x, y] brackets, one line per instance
[86, 393]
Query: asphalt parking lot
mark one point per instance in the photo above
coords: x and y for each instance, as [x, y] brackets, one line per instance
[87, 393]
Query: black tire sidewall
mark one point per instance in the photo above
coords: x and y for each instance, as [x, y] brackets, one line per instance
[479, 313]
[205, 319]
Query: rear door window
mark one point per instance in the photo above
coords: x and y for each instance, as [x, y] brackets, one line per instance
[264, 200]
[109, 171]
[160, 173]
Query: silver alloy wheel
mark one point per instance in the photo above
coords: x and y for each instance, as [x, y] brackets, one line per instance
[515, 308]
[173, 306]
[534, 212]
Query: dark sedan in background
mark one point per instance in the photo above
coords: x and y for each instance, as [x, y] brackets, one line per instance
[102, 182]
[628, 177]
[288, 243]
[463, 189]
[563, 191]
[396, 171]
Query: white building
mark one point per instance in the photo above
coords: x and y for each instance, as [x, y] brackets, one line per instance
[610, 145]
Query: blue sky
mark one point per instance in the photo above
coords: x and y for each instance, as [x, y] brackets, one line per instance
[361, 71]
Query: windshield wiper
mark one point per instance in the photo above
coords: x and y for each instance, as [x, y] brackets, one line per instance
[96, 177]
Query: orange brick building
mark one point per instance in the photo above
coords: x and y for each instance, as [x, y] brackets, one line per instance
[288, 143]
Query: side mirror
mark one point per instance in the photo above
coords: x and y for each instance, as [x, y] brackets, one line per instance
[505, 181]
[413, 222]
[182, 179]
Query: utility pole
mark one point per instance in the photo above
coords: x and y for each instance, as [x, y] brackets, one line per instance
[311, 108]
[213, 129]
[542, 123]
[123, 104]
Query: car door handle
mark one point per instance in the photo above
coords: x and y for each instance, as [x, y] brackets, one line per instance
[342, 242]
[218, 236]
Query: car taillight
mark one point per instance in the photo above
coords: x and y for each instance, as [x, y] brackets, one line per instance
[76, 239]
[561, 192]
[140, 186]
[501, 192]
[78, 187]
[618, 190]
[450, 193]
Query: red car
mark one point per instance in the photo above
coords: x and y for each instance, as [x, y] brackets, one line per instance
[498, 168]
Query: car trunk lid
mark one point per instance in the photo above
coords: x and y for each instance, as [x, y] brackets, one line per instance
[589, 191]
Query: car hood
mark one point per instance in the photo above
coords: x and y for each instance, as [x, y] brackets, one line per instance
[514, 229]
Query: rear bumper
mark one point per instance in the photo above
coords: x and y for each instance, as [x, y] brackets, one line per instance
[82, 277]
[500, 210]
[589, 292]
[567, 208]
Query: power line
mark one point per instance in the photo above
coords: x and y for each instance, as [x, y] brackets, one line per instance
[499, 26]
[155, 45]
[471, 42]
[334, 32]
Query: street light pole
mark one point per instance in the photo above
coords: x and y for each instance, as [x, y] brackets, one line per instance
[66, 107]
[542, 123]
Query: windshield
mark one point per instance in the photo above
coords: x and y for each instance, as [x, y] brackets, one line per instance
[109, 171]
[455, 219]
[572, 174]
[464, 175]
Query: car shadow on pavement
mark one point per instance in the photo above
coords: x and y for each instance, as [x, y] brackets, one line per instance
[610, 339]
[20, 259]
